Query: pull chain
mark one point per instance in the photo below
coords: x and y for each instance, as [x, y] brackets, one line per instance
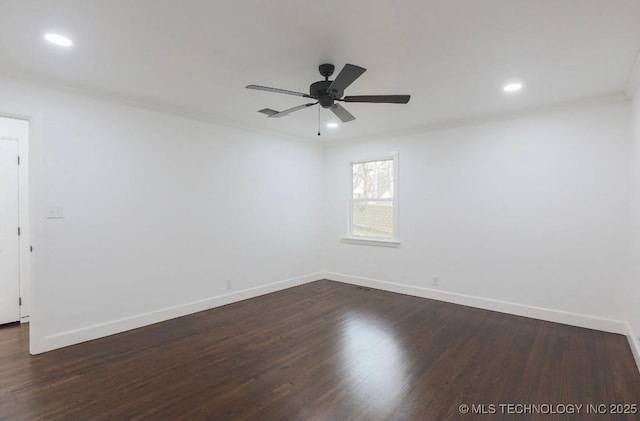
[319, 120]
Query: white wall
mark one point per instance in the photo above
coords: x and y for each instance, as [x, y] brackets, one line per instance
[634, 290]
[158, 212]
[532, 211]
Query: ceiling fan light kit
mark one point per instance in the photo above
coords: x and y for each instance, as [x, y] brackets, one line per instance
[326, 92]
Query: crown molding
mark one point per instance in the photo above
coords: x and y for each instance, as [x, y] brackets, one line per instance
[44, 82]
[594, 101]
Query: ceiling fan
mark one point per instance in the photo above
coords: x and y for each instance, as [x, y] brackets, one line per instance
[326, 92]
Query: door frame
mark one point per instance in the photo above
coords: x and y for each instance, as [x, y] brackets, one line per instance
[24, 243]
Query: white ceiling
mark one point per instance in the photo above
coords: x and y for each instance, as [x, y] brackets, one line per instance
[453, 56]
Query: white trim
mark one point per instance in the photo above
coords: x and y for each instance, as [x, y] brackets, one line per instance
[55, 85]
[540, 313]
[396, 196]
[25, 231]
[37, 286]
[362, 200]
[634, 344]
[62, 339]
[370, 241]
[582, 103]
[375, 157]
[105, 95]
[395, 157]
[24, 240]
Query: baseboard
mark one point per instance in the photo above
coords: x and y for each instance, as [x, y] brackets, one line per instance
[101, 330]
[550, 315]
[634, 344]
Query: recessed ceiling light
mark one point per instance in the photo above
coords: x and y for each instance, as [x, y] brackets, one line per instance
[58, 40]
[332, 125]
[512, 87]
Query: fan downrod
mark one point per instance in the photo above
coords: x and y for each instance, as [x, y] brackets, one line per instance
[320, 89]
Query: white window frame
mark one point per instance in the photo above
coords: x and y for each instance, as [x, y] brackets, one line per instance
[385, 242]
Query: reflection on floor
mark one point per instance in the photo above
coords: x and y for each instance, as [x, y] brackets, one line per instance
[321, 351]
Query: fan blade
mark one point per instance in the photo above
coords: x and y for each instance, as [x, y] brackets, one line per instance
[279, 91]
[346, 77]
[290, 110]
[379, 99]
[342, 113]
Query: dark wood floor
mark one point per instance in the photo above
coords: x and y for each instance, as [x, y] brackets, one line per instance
[322, 351]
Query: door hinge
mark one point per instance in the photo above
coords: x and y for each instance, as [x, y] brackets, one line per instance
[18, 159]
[18, 230]
[31, 249]
[19, 301]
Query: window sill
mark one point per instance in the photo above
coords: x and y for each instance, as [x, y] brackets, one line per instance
[370, 242]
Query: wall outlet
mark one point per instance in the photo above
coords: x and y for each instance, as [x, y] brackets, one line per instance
[436, 281]
[227, 283]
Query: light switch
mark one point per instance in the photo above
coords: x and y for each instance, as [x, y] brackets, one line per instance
[55, 212]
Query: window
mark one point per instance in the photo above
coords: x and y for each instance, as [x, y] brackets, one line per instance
[374, 207]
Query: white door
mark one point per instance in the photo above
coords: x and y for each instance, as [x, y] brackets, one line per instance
[9, 252]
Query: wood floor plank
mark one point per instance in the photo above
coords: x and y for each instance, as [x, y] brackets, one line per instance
[322, 351]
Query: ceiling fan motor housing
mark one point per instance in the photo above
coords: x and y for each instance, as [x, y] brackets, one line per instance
[320, 90]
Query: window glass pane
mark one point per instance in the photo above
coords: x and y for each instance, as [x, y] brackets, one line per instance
[373, 180]
[372, 219]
